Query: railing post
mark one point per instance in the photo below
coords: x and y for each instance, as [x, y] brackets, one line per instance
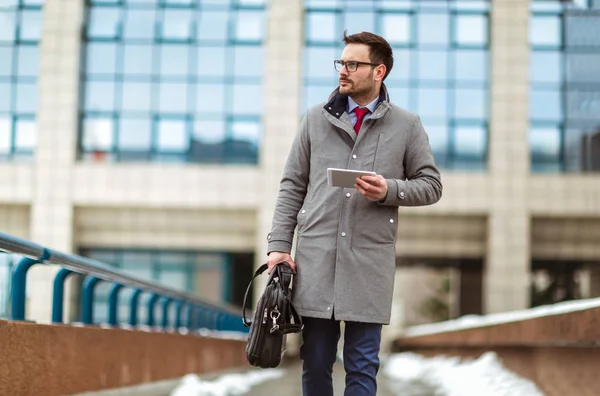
[87, 305]
[165, 312]
[133, 307]
[151, 302]
[191, 317]
[178, 306]
[58, 294]
[113, 304]
[19, 286]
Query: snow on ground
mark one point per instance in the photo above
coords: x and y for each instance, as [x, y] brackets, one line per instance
[448, 376]
[226, 385]
[472, 321]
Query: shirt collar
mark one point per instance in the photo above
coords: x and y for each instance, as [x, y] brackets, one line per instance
[352, 105]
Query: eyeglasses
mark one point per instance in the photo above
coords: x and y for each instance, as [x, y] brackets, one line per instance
[351, 66]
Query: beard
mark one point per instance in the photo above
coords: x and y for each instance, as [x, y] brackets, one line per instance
[351, 88]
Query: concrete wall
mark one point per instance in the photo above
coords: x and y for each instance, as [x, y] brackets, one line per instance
[54, 360]
[560, 352]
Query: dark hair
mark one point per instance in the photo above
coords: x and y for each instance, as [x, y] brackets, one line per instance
[380, 50]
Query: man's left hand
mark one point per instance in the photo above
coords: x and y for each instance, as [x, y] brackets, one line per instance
[373, 187]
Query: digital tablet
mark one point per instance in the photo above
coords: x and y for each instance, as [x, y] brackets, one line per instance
[345, 177]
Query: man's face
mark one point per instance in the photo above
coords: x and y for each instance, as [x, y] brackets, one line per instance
[362, 80]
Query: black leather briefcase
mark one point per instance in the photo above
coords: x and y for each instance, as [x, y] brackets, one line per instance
[275, 316]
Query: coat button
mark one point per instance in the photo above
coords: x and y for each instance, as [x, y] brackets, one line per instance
[303, 211]
[354, 156]
[402, 194]
[343, 234]
[269, 237]
[392, 221]
[348, 195]
[329, 308]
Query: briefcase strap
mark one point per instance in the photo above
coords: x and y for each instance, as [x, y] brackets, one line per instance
[259, 271]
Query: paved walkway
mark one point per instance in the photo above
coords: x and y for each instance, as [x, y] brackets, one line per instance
[290, 384]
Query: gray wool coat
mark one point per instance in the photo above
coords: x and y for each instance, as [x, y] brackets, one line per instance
[345, 252]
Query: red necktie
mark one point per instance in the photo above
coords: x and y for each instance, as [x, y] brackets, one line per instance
[360, 114]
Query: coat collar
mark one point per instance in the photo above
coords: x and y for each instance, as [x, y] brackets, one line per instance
[337, 104]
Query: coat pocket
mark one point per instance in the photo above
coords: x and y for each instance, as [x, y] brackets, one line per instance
[375, 225]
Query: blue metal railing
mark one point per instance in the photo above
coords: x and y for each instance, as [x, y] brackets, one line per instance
[191, 312]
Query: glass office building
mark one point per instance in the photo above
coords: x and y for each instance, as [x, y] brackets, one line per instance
[20, 33]
[172, 81]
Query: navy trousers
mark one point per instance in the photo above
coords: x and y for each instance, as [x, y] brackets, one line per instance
[318, 353]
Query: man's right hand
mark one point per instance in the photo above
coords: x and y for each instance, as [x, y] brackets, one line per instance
[279, 257]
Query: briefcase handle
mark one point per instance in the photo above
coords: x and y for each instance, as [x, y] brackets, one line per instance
[258, 272]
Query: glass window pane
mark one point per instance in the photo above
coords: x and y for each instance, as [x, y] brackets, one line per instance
[545, 30]
[583, 67]
[433, 65]
[174, 279]
[545, 67]
[97, 134]
[173, 98]
[7, 26]
[6, 66]
[315, 94]
[356, 22]
[104, 22]
[172, 135]
[139, 24]
[470, 141]
[5, 134]
[100, 95]
[135, 134]
[471, 65]
[319, 4]
[209, 131]
[470, 103]
[177, 24]
[432, 102]
[399, 95]
[27, 62]
[137, 59]
[211, 61]
[246, 131]
[396, 28]
[321, 26]
[252, 2]
[136, 96]
[210, 98]
[213, 25]
[101, 58]
[545, 143]
[429, 35]
[174, 60]
[208, 141]
[26, 135]
[471, 5]
[319, 62]
[401, 70]
[250, 25]
[5, 97]
[27, 97]
[249, 61]
[471, 29]
[545, 105]
[31, 25]
[438, 138]
[241, 102]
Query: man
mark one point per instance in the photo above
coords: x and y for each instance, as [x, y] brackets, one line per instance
[345, 254]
